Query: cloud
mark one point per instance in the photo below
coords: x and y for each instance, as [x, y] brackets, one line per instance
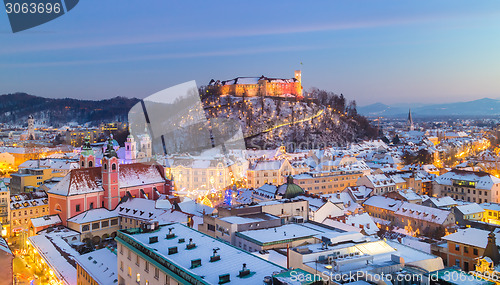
[164, 56]
[127, 39]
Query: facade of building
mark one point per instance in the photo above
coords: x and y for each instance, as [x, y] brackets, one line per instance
[258, 86]
[95, 224]
[4, 209]
[273, 171]
[6, 263]
[327, 182]
[465, 246]
[29, 178]
[26, 206]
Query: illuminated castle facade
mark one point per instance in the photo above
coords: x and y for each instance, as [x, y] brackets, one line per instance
[258, 86]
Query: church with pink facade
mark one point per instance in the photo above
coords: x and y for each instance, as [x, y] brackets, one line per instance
[91, 187]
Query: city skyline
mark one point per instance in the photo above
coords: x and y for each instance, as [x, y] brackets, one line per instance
[387, 51]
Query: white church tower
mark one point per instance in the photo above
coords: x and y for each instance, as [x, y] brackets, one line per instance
[130, 148]
[146, 145]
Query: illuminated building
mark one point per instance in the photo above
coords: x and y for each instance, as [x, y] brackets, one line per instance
[25, 206]
[97, 267]
[327, 182]
[470, 186]
[258, 86]
[4, 209]
[90, 188]
[465, 246]
[29, 178]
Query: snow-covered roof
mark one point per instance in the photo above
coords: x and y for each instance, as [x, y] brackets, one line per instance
[471, 236]
[58, 254]
[471, 208]
[248, 218]
[89, 180]
[445, 201]
[363, 220]
[4, 246]
[383, 203]
[277, 234]
[421, 212]
[231, 258]
[490, 206]
[46, 221]
[28, 199]
[101, 264]
[483, 180]
[93, 215]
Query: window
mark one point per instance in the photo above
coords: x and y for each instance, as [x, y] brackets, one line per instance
[78, 207]
[113, 166]
[13, 214]
[129, 271]
[95, 226]
[466, 249]
[157, 273]
[104, 224]
[137, 260]
[91, 164]
[91, 206]
[121, 265]
[457, 247]
[105, 166]
[85, 228]
[475, 251]
[114, 221]
[146, 266]
[457, 262]
[138, 278]
[128, 257]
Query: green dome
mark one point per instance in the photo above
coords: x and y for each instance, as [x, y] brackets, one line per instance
[289, 189]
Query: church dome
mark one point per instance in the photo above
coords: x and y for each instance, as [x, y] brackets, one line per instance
[289, 189]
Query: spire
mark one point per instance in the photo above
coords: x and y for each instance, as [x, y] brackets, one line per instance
[110, 150]
[491, 249]
[410, 120]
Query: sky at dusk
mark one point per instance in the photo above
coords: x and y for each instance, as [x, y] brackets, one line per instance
[371, 51]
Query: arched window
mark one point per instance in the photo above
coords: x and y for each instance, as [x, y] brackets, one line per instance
[91, 206]
[83, 163]
[105, 166]
[91, 164]
[113, 166]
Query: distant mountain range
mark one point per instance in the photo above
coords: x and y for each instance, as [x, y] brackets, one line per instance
[477, 108]
[15, 109]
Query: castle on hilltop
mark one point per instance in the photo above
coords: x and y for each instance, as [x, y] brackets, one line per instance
[258, 86]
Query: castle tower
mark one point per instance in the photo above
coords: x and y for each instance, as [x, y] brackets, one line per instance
[298, 76]
[110, 170]
[130, 148]
[31, 128]
[411, 127]
[87, 156]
